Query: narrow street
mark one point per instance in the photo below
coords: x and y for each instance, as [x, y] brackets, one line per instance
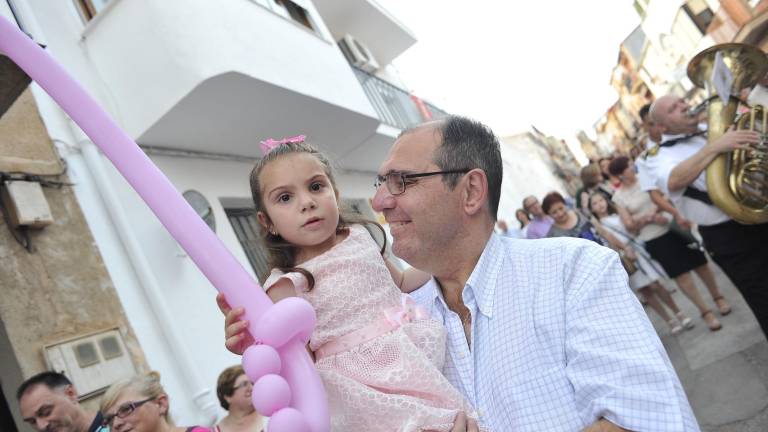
[724, 373]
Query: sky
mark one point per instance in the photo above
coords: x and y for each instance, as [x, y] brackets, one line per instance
[516, 63]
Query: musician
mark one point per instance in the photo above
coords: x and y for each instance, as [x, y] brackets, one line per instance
[678, 168]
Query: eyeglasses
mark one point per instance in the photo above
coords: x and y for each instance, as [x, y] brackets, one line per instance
[247, 383]
[124, 411]
[397, 181]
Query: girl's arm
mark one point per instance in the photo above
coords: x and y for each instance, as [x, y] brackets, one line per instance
[236, 335]
[615, 243]
[408, 280]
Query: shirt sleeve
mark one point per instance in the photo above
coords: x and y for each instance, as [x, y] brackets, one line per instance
[663, 170]
[300, 283]
[615, 361]
[645, 175]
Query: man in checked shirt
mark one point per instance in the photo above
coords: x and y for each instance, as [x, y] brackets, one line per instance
[543, 335]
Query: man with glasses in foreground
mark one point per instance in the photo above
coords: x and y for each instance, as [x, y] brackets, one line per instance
[48, 403]
[542, 335]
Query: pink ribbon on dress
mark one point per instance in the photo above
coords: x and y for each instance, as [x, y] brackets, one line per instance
[408, 311]
[270, 144]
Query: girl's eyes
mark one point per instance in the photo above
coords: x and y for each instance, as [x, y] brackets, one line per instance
[284, 198]
[316, 186]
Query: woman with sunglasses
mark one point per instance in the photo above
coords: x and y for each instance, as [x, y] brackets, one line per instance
[234, 392]
[139, 404]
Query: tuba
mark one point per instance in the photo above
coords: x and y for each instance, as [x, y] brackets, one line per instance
[737, 181]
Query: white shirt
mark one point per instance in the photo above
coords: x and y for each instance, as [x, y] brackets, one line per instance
[558, 342]
[645, 172]
[662, 164]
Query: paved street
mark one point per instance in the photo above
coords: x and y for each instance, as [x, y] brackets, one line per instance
[725, 373]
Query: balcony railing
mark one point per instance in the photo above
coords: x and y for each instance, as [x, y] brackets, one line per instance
[395, 106]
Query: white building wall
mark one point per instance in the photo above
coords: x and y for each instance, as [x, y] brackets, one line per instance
[525, 173]
[183, 289]
[156, 52]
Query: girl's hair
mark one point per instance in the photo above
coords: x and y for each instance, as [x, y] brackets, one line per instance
[517, 216]
[148, 385]
[551, 199]
[609, 204]
[226, 384]
[591, 176]
[281, 254]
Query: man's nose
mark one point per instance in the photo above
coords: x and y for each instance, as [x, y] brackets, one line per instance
[41, 425]
[382, 199]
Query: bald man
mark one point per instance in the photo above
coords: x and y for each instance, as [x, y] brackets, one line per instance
[679, 170]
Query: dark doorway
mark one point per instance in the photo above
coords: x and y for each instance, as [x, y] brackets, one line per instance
[6, 419]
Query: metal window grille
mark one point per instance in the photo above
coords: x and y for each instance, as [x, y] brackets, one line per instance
[247, 230]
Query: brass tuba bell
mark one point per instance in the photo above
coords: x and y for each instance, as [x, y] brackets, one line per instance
[737, 182]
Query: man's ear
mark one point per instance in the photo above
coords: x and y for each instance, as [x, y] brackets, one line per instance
[475, 191]
[71, 393]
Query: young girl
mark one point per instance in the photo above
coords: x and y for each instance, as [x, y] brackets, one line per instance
[377, 353]
[646, 279]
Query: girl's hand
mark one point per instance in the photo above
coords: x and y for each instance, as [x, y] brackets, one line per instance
[236, 336]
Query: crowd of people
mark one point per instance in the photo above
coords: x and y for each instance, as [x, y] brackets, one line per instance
[651, 206]
[48, 401]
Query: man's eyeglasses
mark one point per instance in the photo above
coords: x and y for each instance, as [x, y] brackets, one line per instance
[124, 411]
[397, 181]
[246, 384]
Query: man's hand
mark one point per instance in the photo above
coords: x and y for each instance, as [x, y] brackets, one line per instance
[463, 424]
[603, 425]
[237, 338]
[736, 139]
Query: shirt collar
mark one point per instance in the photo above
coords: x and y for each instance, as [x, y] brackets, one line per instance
[667, 137]
[482, 281]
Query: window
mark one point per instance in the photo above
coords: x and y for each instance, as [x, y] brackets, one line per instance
[89, 8]
[247, 230]
[292, 11]
[699, 13]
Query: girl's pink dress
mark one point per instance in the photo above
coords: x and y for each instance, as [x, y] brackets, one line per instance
[391, 382]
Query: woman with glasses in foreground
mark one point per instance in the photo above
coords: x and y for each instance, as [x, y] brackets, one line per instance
[139, 404]
[234, 392]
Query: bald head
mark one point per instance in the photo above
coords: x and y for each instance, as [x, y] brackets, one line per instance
[670, 113]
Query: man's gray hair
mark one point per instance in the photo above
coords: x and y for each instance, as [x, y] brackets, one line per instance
[468, 144]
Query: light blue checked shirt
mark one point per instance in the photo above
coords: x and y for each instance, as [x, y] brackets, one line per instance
[558, 341]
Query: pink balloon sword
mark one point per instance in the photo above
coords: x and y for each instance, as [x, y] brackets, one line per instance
[287, 386]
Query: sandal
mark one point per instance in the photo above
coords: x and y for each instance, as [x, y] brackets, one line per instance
[674, 326]
[709, 317]
[722, 305]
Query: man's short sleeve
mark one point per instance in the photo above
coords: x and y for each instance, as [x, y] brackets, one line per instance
[664, 167]
[645, 175]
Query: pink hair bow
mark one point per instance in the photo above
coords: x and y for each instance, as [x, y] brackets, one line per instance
[270, 144]
[408, 311]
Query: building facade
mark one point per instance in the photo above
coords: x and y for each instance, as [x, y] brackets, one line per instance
[197, 84]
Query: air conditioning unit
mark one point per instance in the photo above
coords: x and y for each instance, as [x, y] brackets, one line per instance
[358, 54]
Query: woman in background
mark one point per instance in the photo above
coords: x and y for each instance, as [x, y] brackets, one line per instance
[234, 392]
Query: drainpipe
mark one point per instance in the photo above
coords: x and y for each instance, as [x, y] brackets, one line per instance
[201, 395]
